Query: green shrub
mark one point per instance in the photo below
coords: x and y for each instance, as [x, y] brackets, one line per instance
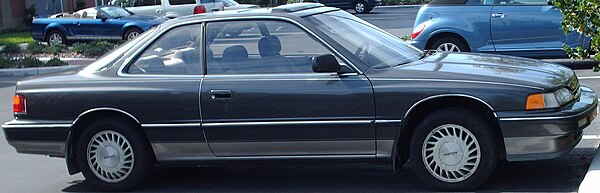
[104, 45]
[28, 62]
[94, 51]
[54, 50]
[11, 48]
[56, 62]
[35, 48]
[5, 62]
[80, 48]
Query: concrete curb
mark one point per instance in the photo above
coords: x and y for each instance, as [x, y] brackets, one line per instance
[15, 72]
[590, 183]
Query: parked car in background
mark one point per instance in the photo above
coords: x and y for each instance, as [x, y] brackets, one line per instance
[529, 28]
[169, 8]
[359, 6]
[96, 23]
[302, 82]
[233, 5]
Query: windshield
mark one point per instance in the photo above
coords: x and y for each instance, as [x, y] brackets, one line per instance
[370, 44]
[115, 12]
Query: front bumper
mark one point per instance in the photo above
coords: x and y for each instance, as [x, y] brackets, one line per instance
[542, 135]
[36, 138]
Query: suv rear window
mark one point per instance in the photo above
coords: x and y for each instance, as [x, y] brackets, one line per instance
[181, 2]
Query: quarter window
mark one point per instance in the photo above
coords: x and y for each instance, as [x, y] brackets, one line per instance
[146, 2]
[181, 2]
[260, 47]
[176, 52]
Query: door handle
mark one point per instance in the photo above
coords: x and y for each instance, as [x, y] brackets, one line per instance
[76, 23]
[498, 15]
[220, 94]
[158, 10]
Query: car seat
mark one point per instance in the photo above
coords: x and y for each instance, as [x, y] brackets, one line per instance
[235, 59]
[269, 48]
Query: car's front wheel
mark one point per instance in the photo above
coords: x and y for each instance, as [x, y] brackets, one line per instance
[55, 37]
[112, 154]
[453, 150]
[361, 7]
[132, 34]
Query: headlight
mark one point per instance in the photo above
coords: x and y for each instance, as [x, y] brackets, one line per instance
[549, 100]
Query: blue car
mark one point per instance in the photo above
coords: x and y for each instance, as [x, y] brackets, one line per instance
[527, 28]
[96, 23]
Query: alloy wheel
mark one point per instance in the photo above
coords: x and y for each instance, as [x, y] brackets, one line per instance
[448, 47]
[132, 35]
[359, 7]
[55, 39]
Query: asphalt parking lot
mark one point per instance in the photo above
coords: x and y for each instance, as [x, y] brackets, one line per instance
[35, 173]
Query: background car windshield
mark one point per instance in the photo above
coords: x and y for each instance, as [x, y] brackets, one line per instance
[229, 3]
[115, 12]
[370, 44]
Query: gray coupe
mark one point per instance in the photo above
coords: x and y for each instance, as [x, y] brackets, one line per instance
[300, 82]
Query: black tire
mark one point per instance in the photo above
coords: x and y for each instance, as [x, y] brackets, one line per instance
[453, 40]
[143, 158]
[365, 7]
[55, 32]
[131, 31]
[479, 129]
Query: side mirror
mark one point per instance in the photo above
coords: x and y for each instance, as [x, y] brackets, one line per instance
[325, 63]
[551, 2]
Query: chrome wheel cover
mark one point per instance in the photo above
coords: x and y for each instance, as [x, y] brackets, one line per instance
[110, 156]
[55, 39]
[359, 7]
[451, 153]
[132, 35]
[448, 47]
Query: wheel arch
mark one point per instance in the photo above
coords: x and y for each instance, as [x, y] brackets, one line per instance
[438, 35]
[82, 121]
[54, 27]
[423, 107]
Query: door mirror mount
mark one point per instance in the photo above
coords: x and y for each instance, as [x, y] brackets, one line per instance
[325, 63]
[551, 2]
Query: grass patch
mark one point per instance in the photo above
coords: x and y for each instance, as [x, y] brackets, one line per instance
[15, 38]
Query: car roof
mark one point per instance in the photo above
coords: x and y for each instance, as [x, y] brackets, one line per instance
[295, 9]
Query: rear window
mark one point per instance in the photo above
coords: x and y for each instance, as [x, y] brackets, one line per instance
[181, 2]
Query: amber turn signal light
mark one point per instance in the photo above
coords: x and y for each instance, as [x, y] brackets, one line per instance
[19, 104]
[535, 101]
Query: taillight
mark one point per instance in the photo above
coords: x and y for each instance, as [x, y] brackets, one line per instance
[19, 104]
[199, 9]
[418, 30]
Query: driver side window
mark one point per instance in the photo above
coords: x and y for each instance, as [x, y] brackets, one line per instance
[177, 52]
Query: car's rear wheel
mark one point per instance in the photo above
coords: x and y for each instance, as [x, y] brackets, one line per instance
[449, 44]
[453, 150]
[56, 37]
[132, 34]
[361, 7]
[112, 154]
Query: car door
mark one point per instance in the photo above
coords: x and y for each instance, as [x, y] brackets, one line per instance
[529, 28]
[93, 27]
[260, 96]
[147, 7]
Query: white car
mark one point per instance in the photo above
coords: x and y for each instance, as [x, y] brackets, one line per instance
[170, 8]
[232, 5]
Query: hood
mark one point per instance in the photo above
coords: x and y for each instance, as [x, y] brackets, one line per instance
[487, 68]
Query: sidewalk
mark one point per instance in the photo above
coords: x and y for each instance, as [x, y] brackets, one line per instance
[591, 181]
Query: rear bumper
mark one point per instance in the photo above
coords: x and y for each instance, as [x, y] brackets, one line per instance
[549, 134]
[31, 138]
